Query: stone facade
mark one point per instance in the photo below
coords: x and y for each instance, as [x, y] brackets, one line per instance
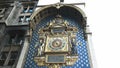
[19, 28]
[14, 25]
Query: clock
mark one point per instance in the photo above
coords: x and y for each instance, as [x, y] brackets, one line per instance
[56, 44]
[57, 41]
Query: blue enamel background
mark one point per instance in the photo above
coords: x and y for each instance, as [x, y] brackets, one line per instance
[82, 62]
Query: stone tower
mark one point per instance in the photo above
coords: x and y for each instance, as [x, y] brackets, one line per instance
[53, 36]
[14, 25]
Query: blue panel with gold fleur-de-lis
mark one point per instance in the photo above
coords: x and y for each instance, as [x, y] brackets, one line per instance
[83, 60]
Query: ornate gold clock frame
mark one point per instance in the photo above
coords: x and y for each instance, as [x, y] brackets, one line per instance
[56, 43]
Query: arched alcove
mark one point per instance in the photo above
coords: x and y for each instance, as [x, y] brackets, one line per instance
[69, 11]
[64, 10]
[75, 16]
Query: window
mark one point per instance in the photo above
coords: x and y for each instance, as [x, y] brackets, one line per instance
[19, 39]
[25, 10]
[3, 57]
[30, 10]
[12, 58]
[16, 37]
[12, 39]
[9, 53]
[24, 19]
[21, 18]
[27, 19]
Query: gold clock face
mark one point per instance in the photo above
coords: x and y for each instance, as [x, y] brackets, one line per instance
[56, 43]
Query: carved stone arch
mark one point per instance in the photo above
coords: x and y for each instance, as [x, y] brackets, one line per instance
[69, 10]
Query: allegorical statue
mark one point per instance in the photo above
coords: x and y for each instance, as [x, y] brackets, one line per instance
[39, 46]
